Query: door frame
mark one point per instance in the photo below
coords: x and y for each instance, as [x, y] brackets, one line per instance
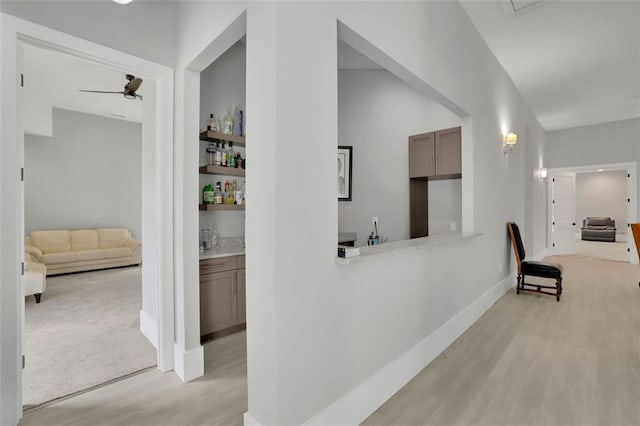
[14, 32]
[632, 195]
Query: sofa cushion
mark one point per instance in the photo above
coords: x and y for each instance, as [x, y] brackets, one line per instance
[95, 254]
[599, 221]
[84, 239]
[111, 238]
[52, 241]
[113, 253]
[53, 258]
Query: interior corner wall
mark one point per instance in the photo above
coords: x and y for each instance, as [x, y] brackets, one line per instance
[377, 112]
[535, 229]
[605, 143]
[86, 176]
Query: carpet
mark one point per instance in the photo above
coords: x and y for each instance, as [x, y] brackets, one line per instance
[84, 332]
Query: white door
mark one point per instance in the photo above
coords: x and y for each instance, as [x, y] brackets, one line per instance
[563, 213]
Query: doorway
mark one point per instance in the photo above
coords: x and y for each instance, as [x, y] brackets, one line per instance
[590, 211]
[83, 188]
[156, 211]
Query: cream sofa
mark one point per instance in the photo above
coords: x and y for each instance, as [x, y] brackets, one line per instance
[83, 250]
[34, 278]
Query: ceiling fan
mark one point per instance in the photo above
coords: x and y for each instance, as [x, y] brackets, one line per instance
[130, 88]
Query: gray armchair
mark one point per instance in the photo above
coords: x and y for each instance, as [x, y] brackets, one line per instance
[599, 229]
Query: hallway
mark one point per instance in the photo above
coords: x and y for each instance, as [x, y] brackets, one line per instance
[531, 360]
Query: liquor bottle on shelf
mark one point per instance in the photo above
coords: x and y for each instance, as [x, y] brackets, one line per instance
[218, 160]
[214, 123]
[211, 154]
[231, 156]
[218, 193]
[207, 194]
[223, 156]
[238, 161]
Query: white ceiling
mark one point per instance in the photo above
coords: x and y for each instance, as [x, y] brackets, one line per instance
[54, 78]
[575, 62]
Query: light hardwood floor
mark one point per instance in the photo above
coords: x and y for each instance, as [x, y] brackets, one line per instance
[155, 398]
[528, 361]
[533, 361]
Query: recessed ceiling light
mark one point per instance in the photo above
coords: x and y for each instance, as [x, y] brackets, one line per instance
[601, 170]
[122, 1]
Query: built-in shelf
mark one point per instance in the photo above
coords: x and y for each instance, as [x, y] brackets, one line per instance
[210, 136]
[220, 207]
[217, 170]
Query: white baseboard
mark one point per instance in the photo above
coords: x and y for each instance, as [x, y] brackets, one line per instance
[189, 364]
[364, 399]
[541, 255]
[249, 420]
[149, 328]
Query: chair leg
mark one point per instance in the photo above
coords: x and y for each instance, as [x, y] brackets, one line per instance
[37, 296]
[558, 289]
[518, 285]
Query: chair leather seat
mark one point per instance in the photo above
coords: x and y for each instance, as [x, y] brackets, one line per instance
[541, 269]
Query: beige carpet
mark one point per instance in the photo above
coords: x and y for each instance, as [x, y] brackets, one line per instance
[84, 332]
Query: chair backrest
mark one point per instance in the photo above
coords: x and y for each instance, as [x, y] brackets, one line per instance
[516, 241]
[635, 229]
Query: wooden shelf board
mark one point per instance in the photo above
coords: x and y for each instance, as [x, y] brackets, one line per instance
[210, 136]
[220, 207]
[217, 170]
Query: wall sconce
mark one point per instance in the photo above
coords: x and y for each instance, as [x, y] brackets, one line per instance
[508, 142]
[543, 173]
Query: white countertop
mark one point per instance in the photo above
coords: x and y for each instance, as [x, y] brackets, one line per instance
[227, 247]
[387, 249]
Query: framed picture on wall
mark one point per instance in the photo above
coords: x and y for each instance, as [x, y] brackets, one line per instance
[344, 172]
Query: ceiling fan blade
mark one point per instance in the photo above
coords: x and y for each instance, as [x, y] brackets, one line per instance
[101, 91]
[134, 85]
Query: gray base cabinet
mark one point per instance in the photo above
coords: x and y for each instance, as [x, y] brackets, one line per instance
[222, 294]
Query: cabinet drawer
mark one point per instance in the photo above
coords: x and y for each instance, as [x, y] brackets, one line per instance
[208, 266]
[240, 262]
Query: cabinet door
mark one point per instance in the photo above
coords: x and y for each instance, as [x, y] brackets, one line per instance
[218, 301]
[421, 155]
[448, 152]
[242, 297]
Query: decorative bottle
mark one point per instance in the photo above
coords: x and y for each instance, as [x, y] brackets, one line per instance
[207, 194]
[211, 154]
[228, 122]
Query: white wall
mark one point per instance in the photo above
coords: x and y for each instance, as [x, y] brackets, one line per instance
[86, 176]
[377, 112]
[311, 321]
[602, 194]
[223, 84]
[606, 143]
[144, 29]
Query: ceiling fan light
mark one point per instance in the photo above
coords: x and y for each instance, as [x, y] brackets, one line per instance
[123, 1]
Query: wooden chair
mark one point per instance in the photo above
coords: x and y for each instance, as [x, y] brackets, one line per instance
[635, 229]
[533, 268]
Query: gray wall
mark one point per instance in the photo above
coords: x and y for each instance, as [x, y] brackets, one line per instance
[86, 176]
[377, 112]
[615, 142]
[602, 194]
[223, 84]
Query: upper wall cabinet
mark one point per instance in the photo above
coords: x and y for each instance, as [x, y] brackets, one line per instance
[436, 154]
